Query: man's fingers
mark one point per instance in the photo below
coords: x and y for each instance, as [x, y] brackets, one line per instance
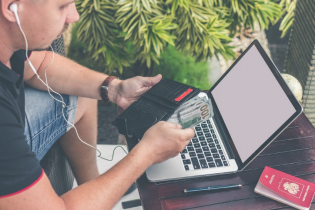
[179, 126]
[150, 81]
[156, 79]
[189, 132]
[172, 125]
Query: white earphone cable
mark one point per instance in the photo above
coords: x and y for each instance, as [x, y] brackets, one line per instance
[49, 89]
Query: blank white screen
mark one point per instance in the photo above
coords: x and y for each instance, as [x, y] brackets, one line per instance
[252, 103]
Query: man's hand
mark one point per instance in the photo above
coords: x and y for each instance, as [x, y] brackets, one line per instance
[165, 140]
[125, 92]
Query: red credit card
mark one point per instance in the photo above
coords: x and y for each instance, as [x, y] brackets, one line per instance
[183, 94]
[290, 187]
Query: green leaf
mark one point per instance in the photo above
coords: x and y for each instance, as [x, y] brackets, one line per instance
[96, 4]
[146, 5]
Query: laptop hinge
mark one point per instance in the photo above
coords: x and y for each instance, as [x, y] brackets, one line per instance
[224, 137]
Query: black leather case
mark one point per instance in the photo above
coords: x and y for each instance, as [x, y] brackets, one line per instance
[158, 103]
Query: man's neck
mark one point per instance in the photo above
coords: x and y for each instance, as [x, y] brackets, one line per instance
[6, 51]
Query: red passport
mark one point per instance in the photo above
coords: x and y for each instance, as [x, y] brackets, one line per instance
[285, 188]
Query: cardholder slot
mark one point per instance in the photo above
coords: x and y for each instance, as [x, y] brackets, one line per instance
[160, 101]
[169, 90]
[170, 94]
[184, 91]
[150, 108]
[164, 87]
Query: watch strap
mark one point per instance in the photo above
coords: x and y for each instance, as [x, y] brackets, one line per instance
[104, 87]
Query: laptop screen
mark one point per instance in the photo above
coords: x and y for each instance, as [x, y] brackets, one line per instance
[252, 103]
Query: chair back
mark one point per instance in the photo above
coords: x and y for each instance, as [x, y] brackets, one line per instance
[300, 58]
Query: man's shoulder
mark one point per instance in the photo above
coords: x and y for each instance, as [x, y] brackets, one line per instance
[9, 106]
[5, 94]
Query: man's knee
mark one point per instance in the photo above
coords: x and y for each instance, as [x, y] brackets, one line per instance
[86, 106]
[44, 119]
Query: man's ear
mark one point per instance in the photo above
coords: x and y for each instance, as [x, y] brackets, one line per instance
[5, 10]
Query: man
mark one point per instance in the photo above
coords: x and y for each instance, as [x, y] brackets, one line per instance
[23, 184]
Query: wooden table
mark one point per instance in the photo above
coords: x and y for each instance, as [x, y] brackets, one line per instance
[292, 152]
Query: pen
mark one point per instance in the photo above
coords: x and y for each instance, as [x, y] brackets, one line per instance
[212, 188]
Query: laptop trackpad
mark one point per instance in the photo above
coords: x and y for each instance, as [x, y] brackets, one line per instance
[173, 169]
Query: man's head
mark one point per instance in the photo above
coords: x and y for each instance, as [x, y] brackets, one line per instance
[41, 20]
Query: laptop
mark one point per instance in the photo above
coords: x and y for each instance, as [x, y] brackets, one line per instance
[252, 105]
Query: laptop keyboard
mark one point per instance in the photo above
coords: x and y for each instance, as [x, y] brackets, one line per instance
[204, 151]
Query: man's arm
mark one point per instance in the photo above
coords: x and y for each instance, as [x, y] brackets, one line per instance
[67, 77]
[101, 193]
[64, 76]
[105, 191]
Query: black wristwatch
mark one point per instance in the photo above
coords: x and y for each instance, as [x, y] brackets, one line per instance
[104, 87]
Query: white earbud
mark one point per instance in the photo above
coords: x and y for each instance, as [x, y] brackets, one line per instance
[13, 8]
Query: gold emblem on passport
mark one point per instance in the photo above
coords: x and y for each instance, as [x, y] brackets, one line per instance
[291, 187]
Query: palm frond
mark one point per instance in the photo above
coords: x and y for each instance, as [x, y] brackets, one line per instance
[202, 28]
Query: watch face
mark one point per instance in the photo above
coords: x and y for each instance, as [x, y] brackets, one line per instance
[104, 95]
[104, 88]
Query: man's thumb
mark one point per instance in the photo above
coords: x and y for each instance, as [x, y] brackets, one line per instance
[156, 79]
